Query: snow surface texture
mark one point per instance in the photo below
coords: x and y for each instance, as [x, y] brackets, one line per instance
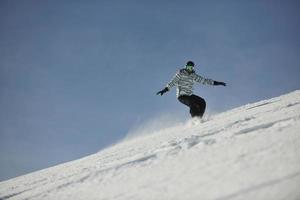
[251, 152]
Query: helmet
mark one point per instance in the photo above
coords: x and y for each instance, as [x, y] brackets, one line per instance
[189, 66]
[190, 63]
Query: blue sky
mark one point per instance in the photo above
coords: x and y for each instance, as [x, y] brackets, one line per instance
[76, 76]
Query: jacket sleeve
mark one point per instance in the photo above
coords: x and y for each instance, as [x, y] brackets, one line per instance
[174, 81]
[203, 80]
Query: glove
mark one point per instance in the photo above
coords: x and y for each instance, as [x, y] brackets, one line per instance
[219, 83]
[162, 91]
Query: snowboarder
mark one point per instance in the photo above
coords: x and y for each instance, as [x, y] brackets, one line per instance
[184, 80]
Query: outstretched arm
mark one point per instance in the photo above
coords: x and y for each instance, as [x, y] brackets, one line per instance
[174, 80]
[171, 84]
[207, 81]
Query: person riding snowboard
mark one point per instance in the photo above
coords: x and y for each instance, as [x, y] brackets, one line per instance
[184, 80]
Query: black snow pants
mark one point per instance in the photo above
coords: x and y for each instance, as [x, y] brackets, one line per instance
[197, 104]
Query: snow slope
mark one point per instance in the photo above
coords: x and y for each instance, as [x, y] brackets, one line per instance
[251, 152]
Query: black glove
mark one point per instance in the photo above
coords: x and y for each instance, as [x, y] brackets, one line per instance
[219, 83]
[162, 91]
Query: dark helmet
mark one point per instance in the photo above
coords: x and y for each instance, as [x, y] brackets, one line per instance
[190, 63]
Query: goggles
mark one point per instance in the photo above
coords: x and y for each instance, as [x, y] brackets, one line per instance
[189, 67]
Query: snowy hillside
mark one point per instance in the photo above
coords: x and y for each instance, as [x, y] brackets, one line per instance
[251, 152]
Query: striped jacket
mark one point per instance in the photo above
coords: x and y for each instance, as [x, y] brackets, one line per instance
[185, 80]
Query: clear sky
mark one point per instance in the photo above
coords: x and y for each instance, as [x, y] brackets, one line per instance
[76, 76]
